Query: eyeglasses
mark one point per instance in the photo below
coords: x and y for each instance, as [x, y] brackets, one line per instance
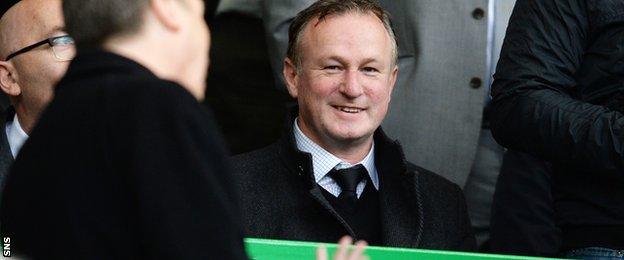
[62, 46]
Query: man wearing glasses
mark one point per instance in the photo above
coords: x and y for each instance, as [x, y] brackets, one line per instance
[34, 54]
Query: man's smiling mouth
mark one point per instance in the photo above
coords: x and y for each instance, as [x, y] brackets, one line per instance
[351, 110]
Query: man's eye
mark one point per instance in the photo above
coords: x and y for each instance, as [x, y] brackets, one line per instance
[331, 68]
[370, 70]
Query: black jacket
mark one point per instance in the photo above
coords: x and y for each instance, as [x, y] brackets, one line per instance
[122, 165]
[522, 220]
[6, 157]
[559, 62]
[281, 200]
[558, 94]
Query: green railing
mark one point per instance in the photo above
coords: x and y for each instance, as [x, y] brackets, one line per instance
[265, 249]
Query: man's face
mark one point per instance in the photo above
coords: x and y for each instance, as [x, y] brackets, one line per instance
[346, 78]
[35, 72]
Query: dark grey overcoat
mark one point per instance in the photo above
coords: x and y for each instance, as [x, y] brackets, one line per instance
[280, 199]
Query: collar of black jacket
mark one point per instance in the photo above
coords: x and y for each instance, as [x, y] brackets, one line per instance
[90, 62]
[5, 149]
[389, 156]
[7, 115]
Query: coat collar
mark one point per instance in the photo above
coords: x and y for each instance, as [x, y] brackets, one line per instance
[6, 157]
[93, 61]
[399, 193]
[5, 149]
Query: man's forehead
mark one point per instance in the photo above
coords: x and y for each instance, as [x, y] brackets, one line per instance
[353, 27]
[348, 21]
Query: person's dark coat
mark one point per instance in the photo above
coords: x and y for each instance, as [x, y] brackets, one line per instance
[558, 95]
[560, 64]
[281, 200]
[6, 157]
[122, 165]
[523, 213]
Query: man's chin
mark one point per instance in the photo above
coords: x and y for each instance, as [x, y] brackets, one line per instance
[351, 137]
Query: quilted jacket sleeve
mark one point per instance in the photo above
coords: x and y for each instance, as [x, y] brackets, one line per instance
[535, 105]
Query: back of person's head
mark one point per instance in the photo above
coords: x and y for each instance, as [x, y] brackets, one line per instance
[324, 8]
[169, 37]
[91, 22]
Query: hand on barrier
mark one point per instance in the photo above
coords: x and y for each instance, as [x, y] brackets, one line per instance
[342, 253]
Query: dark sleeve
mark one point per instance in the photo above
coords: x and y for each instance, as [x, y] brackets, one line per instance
[533, 108]
[523, 218]
[467, 241]
[185, 195]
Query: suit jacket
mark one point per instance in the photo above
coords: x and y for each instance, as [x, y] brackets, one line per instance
[281, 200]
[434, 109]
[6, 157]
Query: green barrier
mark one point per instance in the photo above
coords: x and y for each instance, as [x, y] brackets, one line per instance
[266, 249]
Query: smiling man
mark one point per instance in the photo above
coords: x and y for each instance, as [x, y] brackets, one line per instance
[335, 172]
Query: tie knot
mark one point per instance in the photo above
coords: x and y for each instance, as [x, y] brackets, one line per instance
[348, 178]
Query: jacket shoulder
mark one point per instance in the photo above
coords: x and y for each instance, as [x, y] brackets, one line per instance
[257, 168]
[256, 160]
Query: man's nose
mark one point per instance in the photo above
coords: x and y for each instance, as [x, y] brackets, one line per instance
[350, 85]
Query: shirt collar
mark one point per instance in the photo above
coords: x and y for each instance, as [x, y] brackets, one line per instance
[323, 161]
[15, 135]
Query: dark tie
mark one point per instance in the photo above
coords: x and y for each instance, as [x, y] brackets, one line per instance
[348, 180]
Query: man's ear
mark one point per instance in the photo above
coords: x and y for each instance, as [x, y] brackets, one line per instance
[393, 77]
[167, 12]
[291, 77]
[8, 79]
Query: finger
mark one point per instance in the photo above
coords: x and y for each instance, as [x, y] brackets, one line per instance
[321, 253]
[343, 248]
[358, 252]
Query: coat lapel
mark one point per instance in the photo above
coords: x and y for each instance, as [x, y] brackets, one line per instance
[317, 195]
[401, 213]
[300, 163]
[400, 202]
[6, 157]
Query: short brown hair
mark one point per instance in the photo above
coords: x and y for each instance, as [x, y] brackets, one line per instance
[91, 22]
[325, 8]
